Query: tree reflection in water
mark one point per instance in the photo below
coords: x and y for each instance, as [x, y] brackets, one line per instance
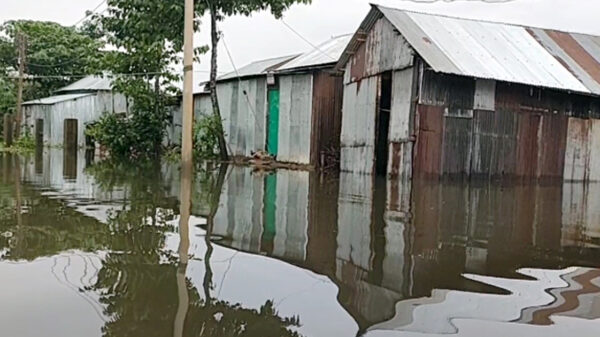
[144, 287]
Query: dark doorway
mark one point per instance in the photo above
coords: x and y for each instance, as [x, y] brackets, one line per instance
[70, 149]
[383, 124]
[70, 134]
[39, 133]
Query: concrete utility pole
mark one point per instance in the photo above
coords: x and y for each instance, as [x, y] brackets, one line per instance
[188, 83]
[21, 41]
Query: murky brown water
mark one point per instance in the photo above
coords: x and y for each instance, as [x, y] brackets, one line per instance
[98, 250]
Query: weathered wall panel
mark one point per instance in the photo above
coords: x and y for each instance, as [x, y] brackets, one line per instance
[428, 156]
[457, 146]
[577, 150]
[485, 95]
[594, 148]
[527, 145]
[552, 145]
[447, 90]
[384, 50]
[401, 120]
[494, 143]
[85, 110]
[326, 118]
[295, 118]
[243, 107]
[358, 126]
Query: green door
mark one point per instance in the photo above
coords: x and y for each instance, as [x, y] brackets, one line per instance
[273, 131]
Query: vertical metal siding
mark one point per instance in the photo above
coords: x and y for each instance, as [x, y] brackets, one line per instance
[401, 115]
[384, 49]
[326, 116]
[577, 151]
[527, 145]
[428, 160]
[358, 126]
[457, 145]
[295, 118]
[552, 145]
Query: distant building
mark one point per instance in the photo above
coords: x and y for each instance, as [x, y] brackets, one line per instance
[62, 119]
[289, 107]
[434, 95]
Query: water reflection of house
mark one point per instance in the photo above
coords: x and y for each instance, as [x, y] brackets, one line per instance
[384, 242]
[289, 107]
[62, 119]
[449, 96]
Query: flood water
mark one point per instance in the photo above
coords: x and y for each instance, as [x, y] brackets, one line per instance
[100, 249]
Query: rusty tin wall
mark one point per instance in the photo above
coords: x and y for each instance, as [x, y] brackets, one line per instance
[328, 94]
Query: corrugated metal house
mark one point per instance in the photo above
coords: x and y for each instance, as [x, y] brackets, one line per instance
[62, 119]
[446, 96]
[289, 107]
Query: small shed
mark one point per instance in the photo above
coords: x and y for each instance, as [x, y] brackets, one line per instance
[289, 107]
[62, 119]
[432, 95]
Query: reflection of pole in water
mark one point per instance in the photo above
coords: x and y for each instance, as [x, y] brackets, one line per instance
[184, 246]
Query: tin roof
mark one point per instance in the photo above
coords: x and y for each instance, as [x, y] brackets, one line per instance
[90, 83]
[328, 52]
[258, 67]
[498, 51]
[56, 99]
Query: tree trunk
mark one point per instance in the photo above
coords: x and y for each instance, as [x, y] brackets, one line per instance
[213, 83]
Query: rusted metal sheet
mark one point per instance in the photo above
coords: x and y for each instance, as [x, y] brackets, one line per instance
[326, 119]
[381, 49]
[457, 146]
[428, 157]
[552, 144]
[447, 90]
[571, 56]
[577, 150]
[494, 144]
[527, 145]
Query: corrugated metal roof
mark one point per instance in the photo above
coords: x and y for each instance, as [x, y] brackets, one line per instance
[56, 99]
[328, 52]
[499, 51]
[258, 68]
[90, 83]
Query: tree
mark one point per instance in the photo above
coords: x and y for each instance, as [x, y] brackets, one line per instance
[148, 39]
[56, 55]
[218, 10]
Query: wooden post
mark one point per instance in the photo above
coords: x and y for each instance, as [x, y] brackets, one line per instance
[8, 130]
[188, 83]
[21, 41]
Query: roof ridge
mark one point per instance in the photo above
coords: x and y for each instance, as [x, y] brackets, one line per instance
[449, 16]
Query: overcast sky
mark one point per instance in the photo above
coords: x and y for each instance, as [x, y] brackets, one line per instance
[261, 36]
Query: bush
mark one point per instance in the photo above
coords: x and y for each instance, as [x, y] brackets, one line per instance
[206, 137]
[137, 136]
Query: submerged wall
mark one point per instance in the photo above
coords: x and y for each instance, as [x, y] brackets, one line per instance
[85, 110]
[481, 128]
[384, 50]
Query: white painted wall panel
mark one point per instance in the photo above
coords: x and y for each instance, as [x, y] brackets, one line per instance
[402, 84]
[358, 126]
[295, 118]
